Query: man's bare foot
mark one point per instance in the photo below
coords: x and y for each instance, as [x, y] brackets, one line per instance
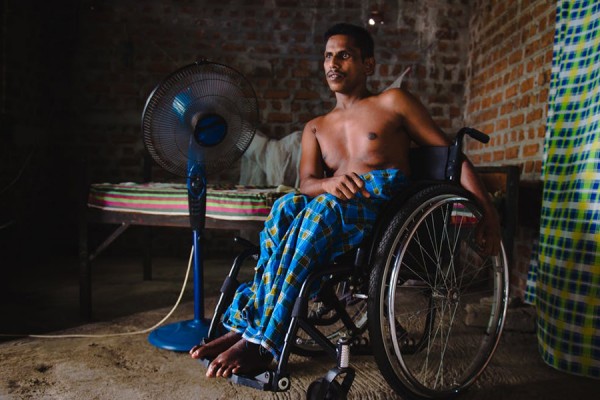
[241, 358]
[215, 347]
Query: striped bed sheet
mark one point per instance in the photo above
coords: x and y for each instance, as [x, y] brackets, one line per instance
[231, 202]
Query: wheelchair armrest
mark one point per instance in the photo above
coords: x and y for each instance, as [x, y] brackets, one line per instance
[435, 163]
[246, 243]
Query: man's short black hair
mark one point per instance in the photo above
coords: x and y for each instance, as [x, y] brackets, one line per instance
[362, 38]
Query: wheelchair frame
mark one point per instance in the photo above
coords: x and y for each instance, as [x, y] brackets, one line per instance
[355, 269]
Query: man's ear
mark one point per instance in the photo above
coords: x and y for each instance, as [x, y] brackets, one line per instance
[369, 63]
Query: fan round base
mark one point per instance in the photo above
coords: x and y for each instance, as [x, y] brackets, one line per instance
[180, 336]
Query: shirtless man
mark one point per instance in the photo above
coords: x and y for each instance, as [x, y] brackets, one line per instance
[353, 158]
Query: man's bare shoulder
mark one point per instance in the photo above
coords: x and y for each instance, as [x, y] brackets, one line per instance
[399, 101]
[320, 122]
[395, 96]
[313, 124]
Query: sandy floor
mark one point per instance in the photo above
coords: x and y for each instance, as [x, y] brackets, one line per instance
[128, 367]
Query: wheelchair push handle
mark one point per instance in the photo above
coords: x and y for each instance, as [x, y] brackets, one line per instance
[474, 133]
[454, 153]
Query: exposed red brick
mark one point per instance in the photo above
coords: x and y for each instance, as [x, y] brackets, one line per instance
[531, 150]
[535, 115]
[529, 167]
[512, 152]
[517, 120]
[307, 95]
[498, 155]
[279, 117]
[527, 85]
[502, 124]
[276, 94]
[511, 91]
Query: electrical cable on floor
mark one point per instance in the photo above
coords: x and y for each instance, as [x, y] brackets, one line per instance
[7, 224]
[19, 173]
[187, 273]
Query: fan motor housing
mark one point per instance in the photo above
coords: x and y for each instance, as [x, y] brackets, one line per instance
[210, 130]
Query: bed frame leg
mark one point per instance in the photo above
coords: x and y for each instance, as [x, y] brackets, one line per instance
[85, 278]
[147, 261]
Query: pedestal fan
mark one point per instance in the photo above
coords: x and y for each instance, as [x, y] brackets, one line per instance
[196, 122]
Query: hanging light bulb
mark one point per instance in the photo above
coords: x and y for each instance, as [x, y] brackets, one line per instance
[376, 18]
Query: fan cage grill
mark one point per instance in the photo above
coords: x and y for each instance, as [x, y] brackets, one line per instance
[184, 96]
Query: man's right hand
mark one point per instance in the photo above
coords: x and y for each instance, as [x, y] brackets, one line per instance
[345, 187]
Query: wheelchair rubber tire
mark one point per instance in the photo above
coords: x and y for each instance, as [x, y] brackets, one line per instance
[426, 271]
[332, 392]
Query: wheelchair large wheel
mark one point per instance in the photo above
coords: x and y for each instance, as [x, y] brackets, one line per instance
[436, 305]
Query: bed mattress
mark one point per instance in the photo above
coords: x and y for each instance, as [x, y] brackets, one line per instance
[231, 202]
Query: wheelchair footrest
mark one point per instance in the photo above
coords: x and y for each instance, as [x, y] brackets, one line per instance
[260, 382]
[265, 381]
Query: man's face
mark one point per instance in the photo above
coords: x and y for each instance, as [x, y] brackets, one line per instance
[344, 67]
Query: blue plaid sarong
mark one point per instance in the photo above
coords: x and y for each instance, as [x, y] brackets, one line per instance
[300, 234]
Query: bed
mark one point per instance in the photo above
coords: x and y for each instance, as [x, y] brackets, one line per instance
[128, 204]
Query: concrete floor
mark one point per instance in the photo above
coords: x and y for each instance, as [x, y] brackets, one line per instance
[44, 299]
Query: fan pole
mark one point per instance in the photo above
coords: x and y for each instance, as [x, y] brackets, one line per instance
[182, 336]
[198, 279]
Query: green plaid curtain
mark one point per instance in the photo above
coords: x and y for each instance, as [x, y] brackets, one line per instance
[567, 292]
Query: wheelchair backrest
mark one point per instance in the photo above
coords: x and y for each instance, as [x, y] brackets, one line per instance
[442, 163]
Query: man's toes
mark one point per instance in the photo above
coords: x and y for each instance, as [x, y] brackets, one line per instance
[230, 371]
[222, 372]
[212, 369]
[225, 372]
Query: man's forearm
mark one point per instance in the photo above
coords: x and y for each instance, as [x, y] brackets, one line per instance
[488, 234]
[311, 187]
[471, 181]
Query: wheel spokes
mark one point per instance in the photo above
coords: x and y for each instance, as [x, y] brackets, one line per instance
[441, 261]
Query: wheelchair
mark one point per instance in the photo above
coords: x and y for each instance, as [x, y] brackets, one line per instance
[418, 295]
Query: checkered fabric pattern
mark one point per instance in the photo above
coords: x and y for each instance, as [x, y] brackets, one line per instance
[300, 234]
[529, 297]
[568, 275]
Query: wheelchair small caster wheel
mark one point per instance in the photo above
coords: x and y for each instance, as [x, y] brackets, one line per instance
[283, 384]
[321, 389]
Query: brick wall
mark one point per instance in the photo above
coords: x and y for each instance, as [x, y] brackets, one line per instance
[508, 79]
[127, 47]
[94, 62]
